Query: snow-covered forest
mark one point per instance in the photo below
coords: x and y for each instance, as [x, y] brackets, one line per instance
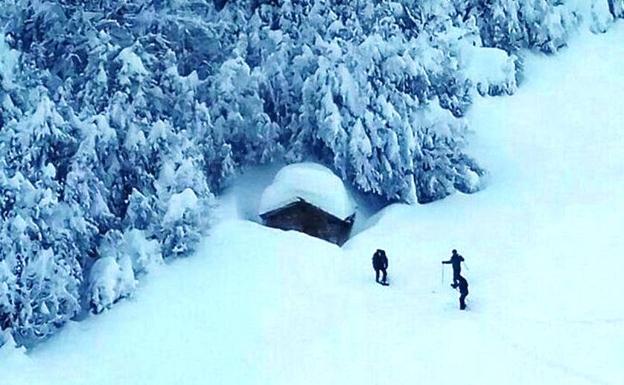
[121, 120]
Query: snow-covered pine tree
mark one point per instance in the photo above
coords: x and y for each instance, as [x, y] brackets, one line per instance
[112, 275]
[500, 24]
[40, 264]
[366, 106]
[183, 196]
[617, 8]
[238, 114]
[515, 24]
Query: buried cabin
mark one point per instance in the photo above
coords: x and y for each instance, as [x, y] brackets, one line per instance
[309, 198]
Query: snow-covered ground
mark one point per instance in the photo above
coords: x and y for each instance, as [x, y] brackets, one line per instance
[543, 246]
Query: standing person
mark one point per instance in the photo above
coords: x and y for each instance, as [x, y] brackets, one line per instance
[380, 264]
[463, 292]
[455, 261]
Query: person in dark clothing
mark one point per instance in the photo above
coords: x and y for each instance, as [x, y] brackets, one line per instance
[380, 264]
[455, 261]
[463, 292]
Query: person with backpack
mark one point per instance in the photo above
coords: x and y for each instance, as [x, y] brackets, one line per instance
[380, 264]
[462, 284]
[455, 261]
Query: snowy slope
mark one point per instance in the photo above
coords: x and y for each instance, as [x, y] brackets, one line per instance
[542, 243]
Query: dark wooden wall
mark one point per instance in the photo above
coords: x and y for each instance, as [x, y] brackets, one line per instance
[309, 219]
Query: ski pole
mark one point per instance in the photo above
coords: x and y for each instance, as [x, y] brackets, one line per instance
[442, 275]
[465, 264]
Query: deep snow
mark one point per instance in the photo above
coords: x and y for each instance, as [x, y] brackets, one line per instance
[311, 182]
[542, 244]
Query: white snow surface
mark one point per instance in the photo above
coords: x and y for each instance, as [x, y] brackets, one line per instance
[311, 182]
[542, 243]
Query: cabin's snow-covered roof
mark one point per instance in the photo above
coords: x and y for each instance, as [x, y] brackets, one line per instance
[311, 182]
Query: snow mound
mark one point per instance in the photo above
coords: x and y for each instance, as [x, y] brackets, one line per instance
[110, 280]
[179, 204]
[311, 182]
[132, 66]
[144, 253]
[492, 71]
[601, 17]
